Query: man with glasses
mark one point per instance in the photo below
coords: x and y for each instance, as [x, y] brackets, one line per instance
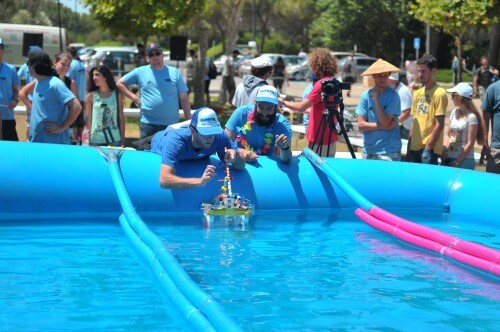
[202, 138]
[161, 89]
[259, 129]
[9, 97]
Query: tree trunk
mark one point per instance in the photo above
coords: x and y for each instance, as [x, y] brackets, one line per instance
[199, 81]
[494, 45]
[233, 19]
[458, 43]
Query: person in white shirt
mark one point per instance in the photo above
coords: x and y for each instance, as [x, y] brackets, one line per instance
[405, 119]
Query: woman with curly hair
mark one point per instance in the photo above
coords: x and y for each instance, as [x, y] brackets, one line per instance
[322, 139]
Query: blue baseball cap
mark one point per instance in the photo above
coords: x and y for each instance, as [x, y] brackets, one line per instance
[206, 122]
[35, 48]
[268, 94]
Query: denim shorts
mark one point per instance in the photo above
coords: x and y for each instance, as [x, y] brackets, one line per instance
[493, 163]
[423, 156]
[147, 129]
[395, 156]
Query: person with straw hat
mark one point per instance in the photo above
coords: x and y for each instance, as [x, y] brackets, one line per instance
[428, 111]
[378, 111]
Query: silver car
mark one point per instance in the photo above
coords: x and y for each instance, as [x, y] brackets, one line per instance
[300, 71]
[245, 66]
[361, 62]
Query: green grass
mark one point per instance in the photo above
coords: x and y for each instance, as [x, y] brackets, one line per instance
[446, 76]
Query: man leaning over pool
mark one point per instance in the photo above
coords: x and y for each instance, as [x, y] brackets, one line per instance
[203, 137]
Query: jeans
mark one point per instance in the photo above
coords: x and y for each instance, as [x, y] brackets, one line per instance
[423, 156]
[147, 129]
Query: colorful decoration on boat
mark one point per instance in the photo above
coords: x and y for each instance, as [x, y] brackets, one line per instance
[227, 204]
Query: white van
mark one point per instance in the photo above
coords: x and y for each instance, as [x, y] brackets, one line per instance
[19, 37]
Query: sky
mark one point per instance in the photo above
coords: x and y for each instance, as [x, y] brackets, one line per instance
[71, 4]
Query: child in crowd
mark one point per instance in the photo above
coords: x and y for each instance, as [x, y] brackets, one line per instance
[104, 108]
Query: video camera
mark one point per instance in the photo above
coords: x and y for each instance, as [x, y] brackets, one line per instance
[332, 91]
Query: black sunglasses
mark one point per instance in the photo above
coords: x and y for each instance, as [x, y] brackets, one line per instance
[154, 54]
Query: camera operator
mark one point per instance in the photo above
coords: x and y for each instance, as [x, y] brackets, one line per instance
[324, 66]
[378, 112]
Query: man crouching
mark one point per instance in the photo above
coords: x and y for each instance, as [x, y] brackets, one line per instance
[203, 137]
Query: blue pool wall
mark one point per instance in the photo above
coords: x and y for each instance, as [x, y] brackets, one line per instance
[51, 181]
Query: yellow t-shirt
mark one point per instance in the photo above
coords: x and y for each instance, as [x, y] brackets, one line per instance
[426, 106]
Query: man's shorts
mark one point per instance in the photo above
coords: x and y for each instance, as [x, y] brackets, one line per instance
[9, 132]
[493, 163]
[80, 120]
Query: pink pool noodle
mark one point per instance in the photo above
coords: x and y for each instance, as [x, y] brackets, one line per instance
[422, 242]
[470, 248]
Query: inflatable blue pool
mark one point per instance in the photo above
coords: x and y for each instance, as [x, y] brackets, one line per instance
[44, 181]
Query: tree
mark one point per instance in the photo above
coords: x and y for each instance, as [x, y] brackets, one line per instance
[455, 17]
[141, 18]
[295, 17]
[225, 16]
[375, 27]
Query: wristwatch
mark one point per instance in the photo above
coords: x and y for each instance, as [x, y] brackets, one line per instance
[15, 99]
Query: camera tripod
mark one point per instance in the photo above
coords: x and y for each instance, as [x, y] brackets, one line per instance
[327, 125]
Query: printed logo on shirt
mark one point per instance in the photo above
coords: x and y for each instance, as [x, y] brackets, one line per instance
[422, 107]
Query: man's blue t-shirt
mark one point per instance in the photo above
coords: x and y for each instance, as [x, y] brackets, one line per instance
[49, 105]
[491, 104]
[8, 79]
[77, 72]
[24, 71]
[175, 145]
[160, 90]
[250, 136]
[380, 141]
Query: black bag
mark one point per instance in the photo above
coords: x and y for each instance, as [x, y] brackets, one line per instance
[212, 70]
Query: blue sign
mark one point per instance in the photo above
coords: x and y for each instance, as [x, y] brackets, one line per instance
[416, 43]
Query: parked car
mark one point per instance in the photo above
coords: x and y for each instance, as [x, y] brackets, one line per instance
[219, 63]
[244, 68]
[85, 52]
[362, 63]
[300, 71]
[342, 55]
[119, 59]
[291, 60]
[221, 60]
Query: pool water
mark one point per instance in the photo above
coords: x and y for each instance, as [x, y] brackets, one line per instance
[79, 276]
[318, 272]
[307, 271]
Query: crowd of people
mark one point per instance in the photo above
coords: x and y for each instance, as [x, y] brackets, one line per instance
[60, 94]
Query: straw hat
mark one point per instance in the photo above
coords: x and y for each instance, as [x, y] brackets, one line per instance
[381, 66]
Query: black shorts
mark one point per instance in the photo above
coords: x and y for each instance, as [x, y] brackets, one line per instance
[80, 120]
[207, 87]
[9, 132]
[349, 79]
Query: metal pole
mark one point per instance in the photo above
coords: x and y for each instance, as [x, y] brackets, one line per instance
[253, 20]
[427, 39]
[74, 28]
[60, 28]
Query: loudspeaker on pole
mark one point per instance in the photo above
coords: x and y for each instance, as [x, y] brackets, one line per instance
[178, 45]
